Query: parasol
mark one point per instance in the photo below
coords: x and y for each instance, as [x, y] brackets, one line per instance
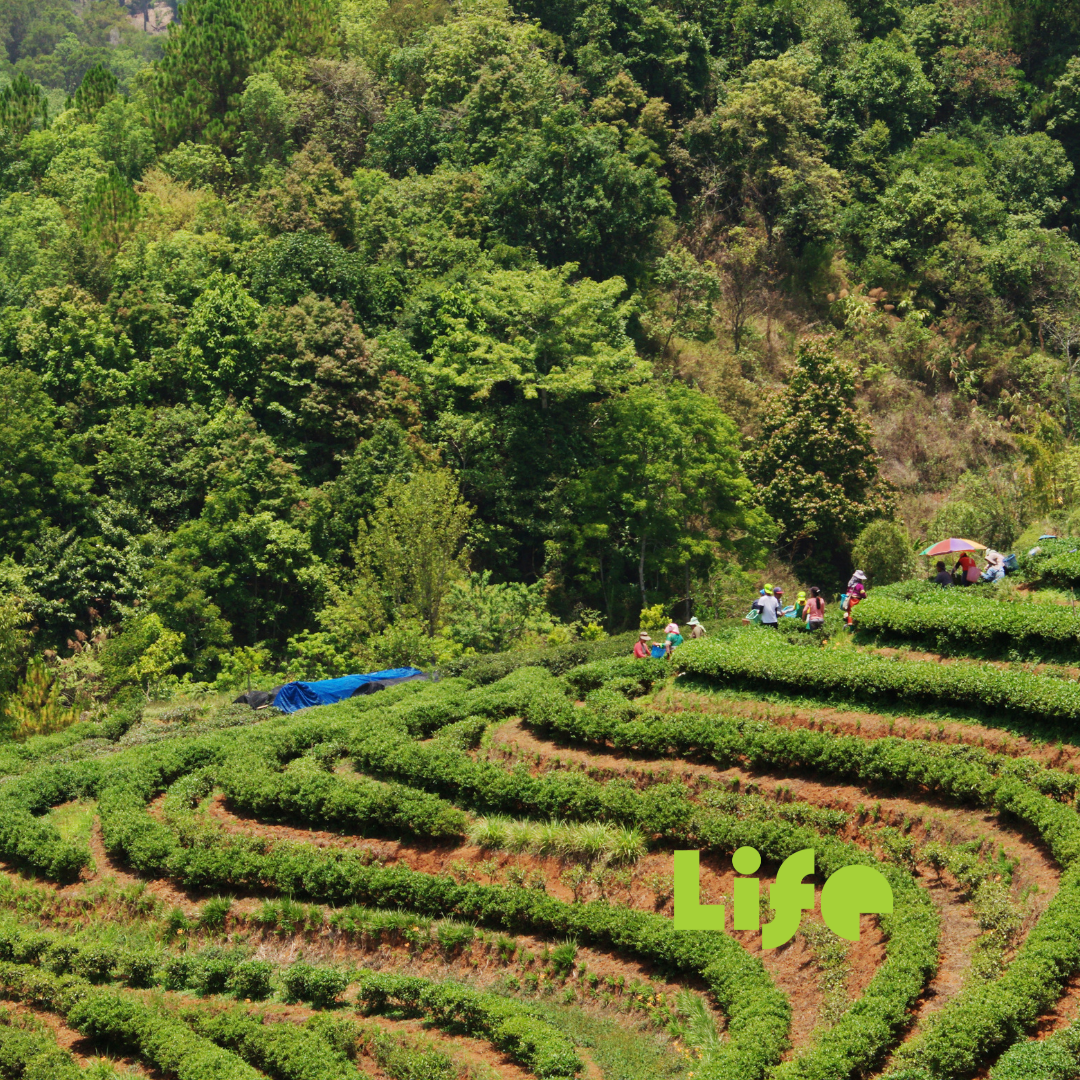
[953, 546]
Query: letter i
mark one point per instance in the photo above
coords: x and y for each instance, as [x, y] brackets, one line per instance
[747, 909]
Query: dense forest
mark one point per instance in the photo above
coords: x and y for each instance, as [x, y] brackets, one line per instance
[339, 333]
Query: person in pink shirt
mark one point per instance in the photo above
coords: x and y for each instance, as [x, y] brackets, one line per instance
[641, 646]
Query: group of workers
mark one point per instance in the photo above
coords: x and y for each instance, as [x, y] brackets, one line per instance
[673, 638]
[807, 609]
[967, 572]
[810, 610]
[769, 608]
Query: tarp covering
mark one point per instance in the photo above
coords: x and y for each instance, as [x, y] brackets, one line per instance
[302, 695]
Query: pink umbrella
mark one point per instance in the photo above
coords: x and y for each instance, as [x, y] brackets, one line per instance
[954, 545]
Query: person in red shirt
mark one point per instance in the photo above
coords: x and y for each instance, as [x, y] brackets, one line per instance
[641, 648]
[969, 570]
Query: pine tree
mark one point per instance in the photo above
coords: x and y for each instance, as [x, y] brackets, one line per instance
[99, 86]
[110, 210]
[817, 472]
[22, 105]
[200, 78]
[293, 27]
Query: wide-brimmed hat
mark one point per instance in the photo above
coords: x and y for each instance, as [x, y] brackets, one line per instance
[644, 637]
[859, 575]
[671, 628]
[693, 622]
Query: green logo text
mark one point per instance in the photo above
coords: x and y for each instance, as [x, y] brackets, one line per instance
[850, 892]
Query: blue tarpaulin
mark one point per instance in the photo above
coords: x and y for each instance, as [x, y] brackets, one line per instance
[302, 695]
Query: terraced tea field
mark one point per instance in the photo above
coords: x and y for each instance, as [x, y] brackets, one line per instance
[473, 878]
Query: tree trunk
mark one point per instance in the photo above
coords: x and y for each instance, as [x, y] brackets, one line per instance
[641, 570]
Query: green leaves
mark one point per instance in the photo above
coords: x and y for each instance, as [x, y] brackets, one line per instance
[537, 330]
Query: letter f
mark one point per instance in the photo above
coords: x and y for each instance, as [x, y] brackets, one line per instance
[789, 898]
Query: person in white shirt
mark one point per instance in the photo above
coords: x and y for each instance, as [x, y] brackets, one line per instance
[771, 607]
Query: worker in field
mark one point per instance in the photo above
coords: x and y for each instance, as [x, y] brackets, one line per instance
[995, 565]
[696, 629]
[771, 607]
[969, 569]
[856, 592]
[815, 610]
[943, 577]
[641, 647]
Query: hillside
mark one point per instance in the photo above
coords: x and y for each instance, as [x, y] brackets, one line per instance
[473, 878]
[644, 300]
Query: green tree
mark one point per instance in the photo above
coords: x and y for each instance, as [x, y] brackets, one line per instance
[144, 653]
[570, 192]
[884, 552]
[759, 151]
[683, 301]
[665, 494]
[537, 331]
[110, 212]
[812, 459]
[248, 552]
[220, 347]
[13, 641]
[99, 85]
[406, 139]
[199, 80]
[322, 385]
[40, 483]
[485, 616]
[415, 544]
[23, 106]
[884, 81]
[742, 265]
[69, 340]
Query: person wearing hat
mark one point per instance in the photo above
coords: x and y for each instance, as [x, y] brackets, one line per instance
[771, 608]
[856, 588]
[800, 606]
[641, 646]
[697, 630]
[673, 639]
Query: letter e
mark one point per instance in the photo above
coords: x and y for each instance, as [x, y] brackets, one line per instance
[853, 891]
[690, 913]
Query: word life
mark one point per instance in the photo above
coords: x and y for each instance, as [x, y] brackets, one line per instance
[848, 893]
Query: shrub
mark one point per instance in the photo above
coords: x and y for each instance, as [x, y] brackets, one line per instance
[319, 986]
[884, 551]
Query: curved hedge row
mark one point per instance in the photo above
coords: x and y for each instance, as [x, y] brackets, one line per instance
[354, 803]
[912, 930]
[1057, 1057]
[984, 1018]
[758, 1014]
[120, 1020]
[959, 619]
[529, 1040]
[763, 660]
